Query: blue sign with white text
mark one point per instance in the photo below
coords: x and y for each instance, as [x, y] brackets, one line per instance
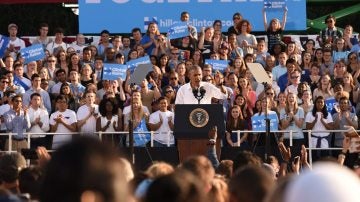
[217, 64]
[33, 53]
[178, 30]
[117, 13]
[114, 71]
[132, 64]
[259, 124]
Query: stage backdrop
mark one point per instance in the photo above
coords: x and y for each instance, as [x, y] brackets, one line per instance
[120, 16]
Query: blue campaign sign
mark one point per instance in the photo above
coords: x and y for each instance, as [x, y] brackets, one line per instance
[330, 104]
[271, 5]
[93, 13]
[178, 30]
[132, 64]
[4, 42]
[33, 53]
[217, 64]
[259, 124]
[114, 71]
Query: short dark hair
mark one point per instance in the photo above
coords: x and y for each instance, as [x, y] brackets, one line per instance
[34, 94]
[60, 71]
[136, 29]
[104, 32]
[59, 30]
[330, 17]
[16, 96]
[35, 76]
[62, 97]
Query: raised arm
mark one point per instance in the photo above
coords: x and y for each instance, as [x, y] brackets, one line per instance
[283, 23]
[264, 19]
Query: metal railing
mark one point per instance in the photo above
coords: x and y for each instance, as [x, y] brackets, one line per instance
[152, 133]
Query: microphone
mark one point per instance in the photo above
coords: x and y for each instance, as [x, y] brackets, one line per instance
[199, 93]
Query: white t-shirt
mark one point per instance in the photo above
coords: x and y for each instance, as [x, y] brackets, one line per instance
[44, 118]
[90, 125]
[104, 120]
[52, 46]
[185, 94]
[18, 45]
[70, 118]
[319, 127]
[162, 134]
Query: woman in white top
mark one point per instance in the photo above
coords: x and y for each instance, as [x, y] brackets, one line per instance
[319, 120]
[110, 119]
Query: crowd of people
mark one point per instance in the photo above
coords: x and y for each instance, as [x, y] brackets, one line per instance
[315, 86]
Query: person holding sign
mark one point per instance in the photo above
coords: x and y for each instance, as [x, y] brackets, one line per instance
[274, 29]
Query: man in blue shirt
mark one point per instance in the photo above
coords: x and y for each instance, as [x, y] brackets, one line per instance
[17, 121]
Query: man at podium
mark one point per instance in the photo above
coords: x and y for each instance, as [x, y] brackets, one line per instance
[196, 91]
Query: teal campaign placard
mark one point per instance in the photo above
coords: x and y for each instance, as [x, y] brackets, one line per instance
[114, 71]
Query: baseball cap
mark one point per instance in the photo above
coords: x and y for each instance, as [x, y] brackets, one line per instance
[12, 25]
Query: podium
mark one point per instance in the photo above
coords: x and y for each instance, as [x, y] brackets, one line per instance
[192, 124]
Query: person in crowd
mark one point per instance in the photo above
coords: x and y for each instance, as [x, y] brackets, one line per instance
[136, 37]
[43, 35]
[110, 119]
[245, 40]
[162, 122]
[58, 43]
[17, 121]
[319, 120]
[185, 17]
[104, 43]
[39, 119]
[283, 81]
[31, 68]
[292, 118]
[344, 117]
[353, 63]
[87, 115]
[206, 43]
[330, 33]
[36, 88]
[237, 17]
[327, 66]
[235, 121]
[87, 76]
[19, 76]
[76, 162]
[309, 47]
[62, 122]
[148, 41]
[280, 69]
[274, 29]
[61, 77]
[15, 43]
[4, 82]
[294, 82]
[74, 63]
[76, 88]
[140, 120]
[79, 44]
[324, 88]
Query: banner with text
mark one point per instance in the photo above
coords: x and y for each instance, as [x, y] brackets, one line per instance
[167, 13]
[178, 30]
[114, 71]
[33, 53]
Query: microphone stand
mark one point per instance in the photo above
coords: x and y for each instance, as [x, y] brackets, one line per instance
[131, 129]
[267, 128]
